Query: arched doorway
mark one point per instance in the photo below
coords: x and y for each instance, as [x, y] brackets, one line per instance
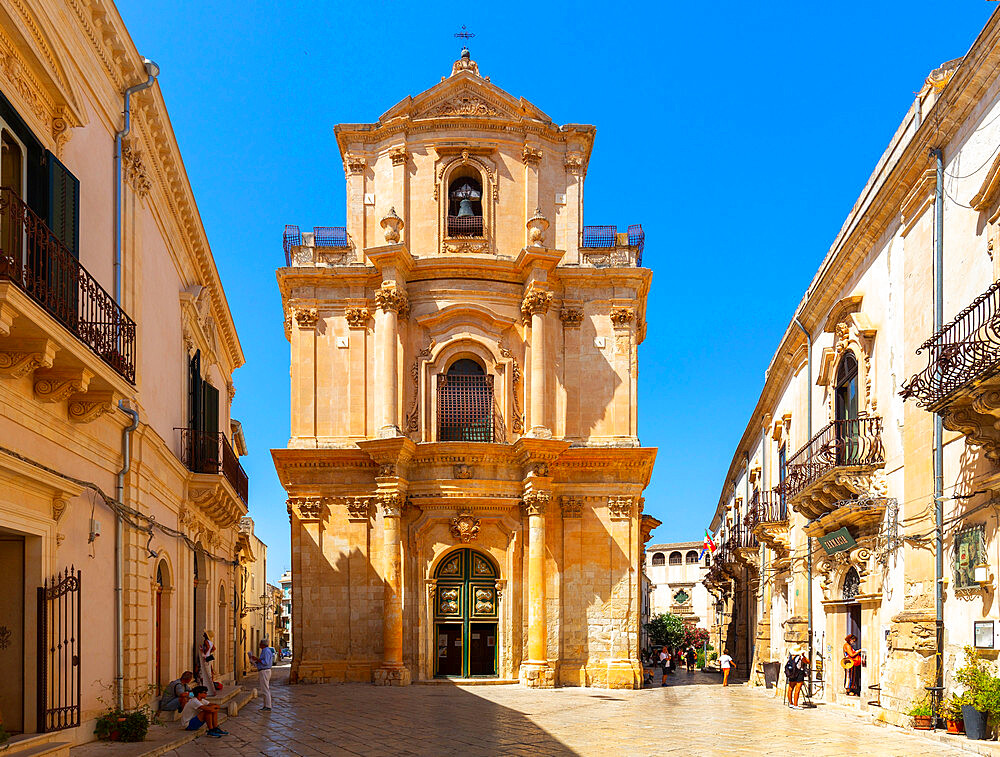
[160, 618]
[466, 610]
[200, 603]
[221, 633]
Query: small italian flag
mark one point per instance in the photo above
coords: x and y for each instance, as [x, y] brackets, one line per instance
[708, 545]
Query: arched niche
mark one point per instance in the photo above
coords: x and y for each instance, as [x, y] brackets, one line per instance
[483, 170]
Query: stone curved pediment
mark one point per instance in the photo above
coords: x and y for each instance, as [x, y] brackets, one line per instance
[453, 317]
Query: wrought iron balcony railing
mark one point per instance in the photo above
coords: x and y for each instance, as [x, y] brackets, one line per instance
[38, 263]
[467, 411]
[965, 350]
[608, 238]
[465, 226]
[210, 452]
[743, 537]
[845, 443]
[766, 507]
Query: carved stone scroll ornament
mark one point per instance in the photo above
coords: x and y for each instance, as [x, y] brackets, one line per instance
[57, 388]
[517, 422]
[465, 527]
[58, 507]
[386, 469]
[620, 508]
[536, 301]
[535, 503]
[463, 471]
[413, 417]
[390, 297]
[90, 406]
[17, 364]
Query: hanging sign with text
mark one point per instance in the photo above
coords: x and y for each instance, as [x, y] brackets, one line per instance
[838, 541]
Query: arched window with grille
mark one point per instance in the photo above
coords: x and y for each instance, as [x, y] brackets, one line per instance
[465, 404]
[465, 205]
[676, 558]
[691, 558]
[658, 559]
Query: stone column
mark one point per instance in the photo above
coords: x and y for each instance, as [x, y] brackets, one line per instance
[622, 670]
[536, 304]
[391, 302]
[535, 671]
[392, 672]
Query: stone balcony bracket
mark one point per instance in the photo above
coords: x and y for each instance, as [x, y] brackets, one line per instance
[861, 516]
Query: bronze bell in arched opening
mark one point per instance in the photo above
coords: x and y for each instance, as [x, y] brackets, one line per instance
[465, 195]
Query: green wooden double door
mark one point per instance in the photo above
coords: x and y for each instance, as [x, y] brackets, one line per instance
[466, 609]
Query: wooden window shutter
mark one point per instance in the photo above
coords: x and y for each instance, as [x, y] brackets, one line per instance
[211, 403]
[64, 205]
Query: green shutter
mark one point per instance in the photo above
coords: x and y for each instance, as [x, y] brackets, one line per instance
[64, 205]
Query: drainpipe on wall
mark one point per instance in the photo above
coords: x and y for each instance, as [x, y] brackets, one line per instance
[119, 556]
[746, 568]
[938, 426]
[809, 541]
[152, 70]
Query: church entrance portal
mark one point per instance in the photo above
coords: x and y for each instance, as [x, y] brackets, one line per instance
[465, 615]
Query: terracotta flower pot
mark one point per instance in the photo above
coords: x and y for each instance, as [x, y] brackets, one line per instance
[956, 726]
[922, 722]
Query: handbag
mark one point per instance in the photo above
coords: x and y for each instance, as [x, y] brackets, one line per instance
[210, 658]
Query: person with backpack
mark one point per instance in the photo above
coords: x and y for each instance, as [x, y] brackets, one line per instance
[795, 674]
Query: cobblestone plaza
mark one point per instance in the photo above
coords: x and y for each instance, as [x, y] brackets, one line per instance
[693, 715]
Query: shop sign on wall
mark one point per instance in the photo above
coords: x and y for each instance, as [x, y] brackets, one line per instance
[838, 541]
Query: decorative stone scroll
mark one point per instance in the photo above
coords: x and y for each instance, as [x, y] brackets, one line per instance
[357, 318]
[465, 527]
[571, 317]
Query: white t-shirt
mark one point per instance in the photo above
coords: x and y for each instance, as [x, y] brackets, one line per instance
[190, 710]
[726, 661]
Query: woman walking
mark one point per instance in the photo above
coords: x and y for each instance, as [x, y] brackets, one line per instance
[727, 664]
[690, 657]
[664, 665]
[852, 671]
[206, 654]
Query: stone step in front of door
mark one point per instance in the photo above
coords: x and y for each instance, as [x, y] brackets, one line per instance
[469, 681]
[42, 745]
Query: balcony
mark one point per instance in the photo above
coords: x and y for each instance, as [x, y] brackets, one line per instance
[744, 544]
[467, 410]
[768, 519]
[38, 264]
[961, 378]
[323, 246]
[606, 247]
[219, 485]
[836, 465]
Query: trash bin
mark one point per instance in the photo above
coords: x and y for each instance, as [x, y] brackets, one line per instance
[771, 671]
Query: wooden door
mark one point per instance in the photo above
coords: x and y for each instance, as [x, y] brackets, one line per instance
[449, 649]
[12, 632]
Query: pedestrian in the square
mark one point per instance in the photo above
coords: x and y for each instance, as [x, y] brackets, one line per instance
[199, 711]
[206, 655]
[664, 665]
[795, 674]
[726, 662]
[690, 656]
[177, 693]
[852, 666]
[264, 663]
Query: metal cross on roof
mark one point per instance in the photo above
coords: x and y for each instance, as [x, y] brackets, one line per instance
[464, 34]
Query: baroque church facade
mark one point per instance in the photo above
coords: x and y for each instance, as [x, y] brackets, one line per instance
[464, 473]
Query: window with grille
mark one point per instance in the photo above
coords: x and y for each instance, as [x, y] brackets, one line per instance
[658, 559]
[676, 559]
[465, 404]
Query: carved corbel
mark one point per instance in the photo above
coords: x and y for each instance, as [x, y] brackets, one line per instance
[56, 385]
[23, 357]
[465, 526]
[59, 504]
[84, 408]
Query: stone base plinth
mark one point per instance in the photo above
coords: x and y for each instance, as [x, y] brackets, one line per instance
[536, 675]
[624, 674]
[392, 676]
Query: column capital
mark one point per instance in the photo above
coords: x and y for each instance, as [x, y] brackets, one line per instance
[621, 508]
[391, 504]
[535, 502]
[536, 301]
[307, 508]
[390, 297]
[571, 506]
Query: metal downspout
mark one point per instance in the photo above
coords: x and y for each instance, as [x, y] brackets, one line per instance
[746, 568]
[152, 70]
[809, 541]
[938, 426]
[119, 561]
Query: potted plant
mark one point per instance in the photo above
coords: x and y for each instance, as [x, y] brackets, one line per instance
[982, 693]
[922, 714]
[951, 710]
[118, 725]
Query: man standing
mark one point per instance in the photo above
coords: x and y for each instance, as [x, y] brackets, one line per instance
[264, 663]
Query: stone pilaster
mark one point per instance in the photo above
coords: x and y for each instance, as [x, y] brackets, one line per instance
[535, 305]
[392, 671]
[535, 671]
[391, 303]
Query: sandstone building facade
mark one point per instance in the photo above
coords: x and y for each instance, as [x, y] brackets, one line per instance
[464, 473]
[676, 572]
[842, 436]
[120, 489]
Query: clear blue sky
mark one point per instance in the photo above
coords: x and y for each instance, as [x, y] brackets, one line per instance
[739, 134]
